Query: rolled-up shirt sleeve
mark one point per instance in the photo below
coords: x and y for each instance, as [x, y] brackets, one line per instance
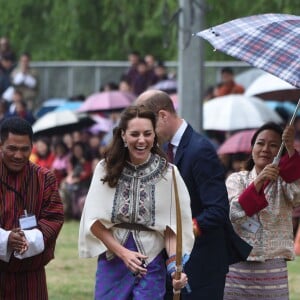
[5, 253]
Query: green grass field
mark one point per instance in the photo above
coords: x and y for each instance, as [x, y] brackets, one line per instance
[70, 277]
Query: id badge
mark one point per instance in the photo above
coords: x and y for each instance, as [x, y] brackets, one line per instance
[251, 225]
[27, 221]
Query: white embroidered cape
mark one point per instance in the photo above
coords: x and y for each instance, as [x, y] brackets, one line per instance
[143, 195]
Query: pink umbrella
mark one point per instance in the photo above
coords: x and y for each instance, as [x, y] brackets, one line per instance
[109, 100]
[174, 98]
[238, 142]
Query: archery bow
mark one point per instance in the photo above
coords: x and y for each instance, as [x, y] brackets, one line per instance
[178, 271]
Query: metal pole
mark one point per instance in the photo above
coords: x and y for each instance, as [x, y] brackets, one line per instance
[190, 65]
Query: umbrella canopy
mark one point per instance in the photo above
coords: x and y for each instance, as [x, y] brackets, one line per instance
[69, 105]
[108, 100]
[174, 98]
[102, 124]
[239, 142]
[283, 106]
[237, 112]
[270, 87]
[247, 77]
[49, 105]
[268, 41]
[60, 122]
[168, 86]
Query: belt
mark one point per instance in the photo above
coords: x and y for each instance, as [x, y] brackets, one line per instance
[133, 226]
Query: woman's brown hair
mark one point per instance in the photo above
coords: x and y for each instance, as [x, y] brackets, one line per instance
[116, 153]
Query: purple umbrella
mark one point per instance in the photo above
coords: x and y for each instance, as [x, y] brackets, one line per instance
[102, 124]
[110, 100]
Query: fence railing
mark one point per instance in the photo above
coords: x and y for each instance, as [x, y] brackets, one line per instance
[59, 79]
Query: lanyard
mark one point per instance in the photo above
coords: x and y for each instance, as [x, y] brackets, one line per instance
[21, 197]
[12, 189]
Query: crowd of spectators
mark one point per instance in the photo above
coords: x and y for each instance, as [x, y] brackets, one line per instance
[72, 158]
[18, 83]
[143, 73]
[73, 155]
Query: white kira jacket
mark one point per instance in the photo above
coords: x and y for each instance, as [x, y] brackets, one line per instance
[144, 196]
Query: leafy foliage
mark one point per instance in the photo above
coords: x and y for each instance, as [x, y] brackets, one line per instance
[110, 29]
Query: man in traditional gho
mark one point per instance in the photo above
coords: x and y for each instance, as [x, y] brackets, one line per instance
[31, 215]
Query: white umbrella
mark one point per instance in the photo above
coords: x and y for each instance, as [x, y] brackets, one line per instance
[58, 122]
[236, 112]
[270, 87]
[247, 77]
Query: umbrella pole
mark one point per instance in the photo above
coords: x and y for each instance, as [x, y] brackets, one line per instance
[277, 157]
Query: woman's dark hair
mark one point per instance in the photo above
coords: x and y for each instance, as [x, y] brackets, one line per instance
[15, 125]
[62, 145]
[47, 141]
[267, 126]
[86, 154]
[116, 154]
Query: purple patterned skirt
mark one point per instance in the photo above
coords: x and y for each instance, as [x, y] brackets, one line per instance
[115, 281]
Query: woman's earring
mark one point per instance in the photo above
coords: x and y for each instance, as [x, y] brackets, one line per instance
[125, 144]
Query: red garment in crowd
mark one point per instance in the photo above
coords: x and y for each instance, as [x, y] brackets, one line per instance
[229, 88]
[45, 162]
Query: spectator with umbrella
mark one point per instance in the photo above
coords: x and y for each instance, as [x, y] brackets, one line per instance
[261, 205]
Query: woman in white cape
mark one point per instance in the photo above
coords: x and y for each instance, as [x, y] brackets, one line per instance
[129, 217]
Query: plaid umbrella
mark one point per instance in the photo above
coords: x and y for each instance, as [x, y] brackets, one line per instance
[268, 41]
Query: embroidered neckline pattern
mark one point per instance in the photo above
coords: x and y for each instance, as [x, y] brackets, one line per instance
[134, 200]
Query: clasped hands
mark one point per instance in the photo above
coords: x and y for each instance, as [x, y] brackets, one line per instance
[17, 241]
[135, 262]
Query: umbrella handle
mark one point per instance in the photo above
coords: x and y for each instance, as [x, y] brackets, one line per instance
[277, 157]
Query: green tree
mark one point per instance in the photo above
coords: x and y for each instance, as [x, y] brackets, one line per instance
[109, 29]
[220, 11]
